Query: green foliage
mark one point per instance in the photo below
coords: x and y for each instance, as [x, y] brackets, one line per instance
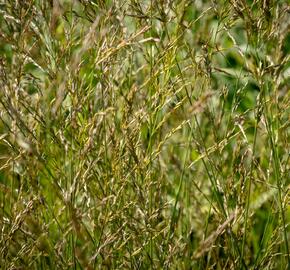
[144, 134]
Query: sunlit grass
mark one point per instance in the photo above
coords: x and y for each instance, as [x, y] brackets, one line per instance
[144, 134]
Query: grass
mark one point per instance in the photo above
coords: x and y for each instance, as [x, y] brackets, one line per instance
[144, 134]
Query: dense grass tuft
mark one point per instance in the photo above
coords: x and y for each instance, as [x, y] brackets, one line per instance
[144, 134]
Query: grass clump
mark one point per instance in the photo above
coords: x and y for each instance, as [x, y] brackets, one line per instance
[144, 134]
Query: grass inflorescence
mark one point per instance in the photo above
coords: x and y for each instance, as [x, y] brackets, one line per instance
[144, 134]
